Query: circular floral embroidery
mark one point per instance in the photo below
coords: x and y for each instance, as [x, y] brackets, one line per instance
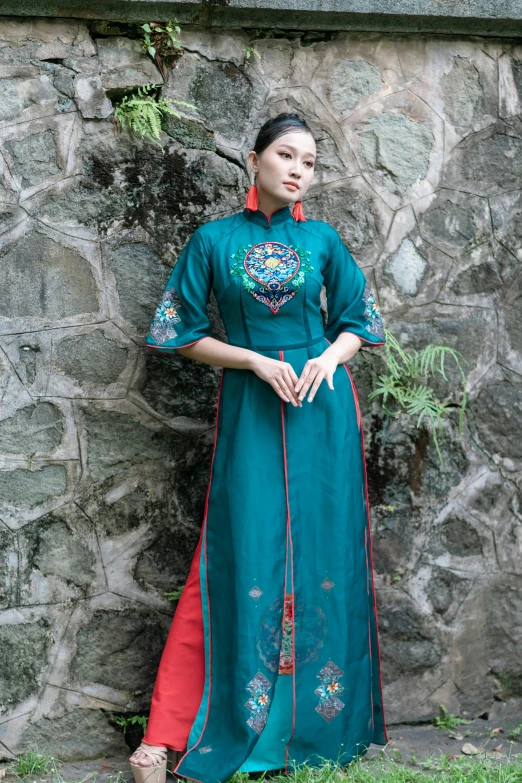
[274, 636]
[272, 272]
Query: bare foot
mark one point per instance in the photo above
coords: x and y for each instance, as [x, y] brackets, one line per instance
[139, 757]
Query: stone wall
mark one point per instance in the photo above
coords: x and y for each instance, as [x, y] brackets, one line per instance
[106, 449]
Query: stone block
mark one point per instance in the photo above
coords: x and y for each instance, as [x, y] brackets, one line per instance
[125, 64]
[117, 441]
[78, 734]
[119, 649]
[61, 274]
[24, 649]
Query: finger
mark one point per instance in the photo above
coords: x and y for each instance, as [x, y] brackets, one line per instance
[293, 373]
[315, 386]
[329, 380]
[304, 374]
[317, 383]
[308, 382]
[278, 391]
[291, 386]
[307, 369]
[287, 391]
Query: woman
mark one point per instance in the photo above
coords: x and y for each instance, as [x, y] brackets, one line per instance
[272, 658]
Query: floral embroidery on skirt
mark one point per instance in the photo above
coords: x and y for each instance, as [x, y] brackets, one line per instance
[328, 691]
[258, 702]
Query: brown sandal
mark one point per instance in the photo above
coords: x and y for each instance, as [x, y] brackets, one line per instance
[155, 772]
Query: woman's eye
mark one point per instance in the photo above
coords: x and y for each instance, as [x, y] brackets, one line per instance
[311, 164]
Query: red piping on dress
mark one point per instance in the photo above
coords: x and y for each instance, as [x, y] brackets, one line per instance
[205, 514]
[169, 348]
[356, 399]
[289, 538]
[370, 342]
[371, 557]
[369, 624]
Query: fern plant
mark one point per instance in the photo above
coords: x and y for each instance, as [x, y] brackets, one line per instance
[142, 112]
[404, 384]
[124, 722]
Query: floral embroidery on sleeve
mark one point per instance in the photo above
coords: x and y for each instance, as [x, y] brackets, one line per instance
[166, 315]
[372, 313]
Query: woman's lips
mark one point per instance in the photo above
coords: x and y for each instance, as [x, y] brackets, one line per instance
[291, 185]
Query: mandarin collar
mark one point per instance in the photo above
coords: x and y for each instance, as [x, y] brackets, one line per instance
[262, 219]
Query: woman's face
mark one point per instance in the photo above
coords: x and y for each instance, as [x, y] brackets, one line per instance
[290, 158]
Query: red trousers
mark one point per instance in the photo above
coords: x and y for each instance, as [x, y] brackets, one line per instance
[178, 689]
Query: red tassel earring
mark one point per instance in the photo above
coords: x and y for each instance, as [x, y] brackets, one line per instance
[251, 199]
[297, 212]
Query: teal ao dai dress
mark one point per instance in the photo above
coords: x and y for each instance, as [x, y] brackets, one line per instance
[292, 667]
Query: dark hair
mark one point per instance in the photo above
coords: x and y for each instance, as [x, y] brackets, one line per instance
[278, 126]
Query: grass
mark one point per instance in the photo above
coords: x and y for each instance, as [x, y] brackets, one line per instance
[34, 763]
[31, 762]
[386, 767]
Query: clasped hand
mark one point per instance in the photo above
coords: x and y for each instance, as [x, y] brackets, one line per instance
[283, 378]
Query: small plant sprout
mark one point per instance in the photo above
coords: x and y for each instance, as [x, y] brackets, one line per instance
[404, 383]
[248, 51]
[174, 595]
[445, 720]
[162, 43]
[142, 112]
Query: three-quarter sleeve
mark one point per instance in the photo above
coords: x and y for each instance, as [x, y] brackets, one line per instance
[350, 301]
[181, 316]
